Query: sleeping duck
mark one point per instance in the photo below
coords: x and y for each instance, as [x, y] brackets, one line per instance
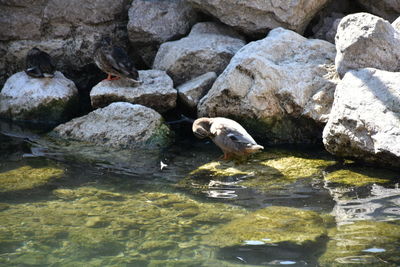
[39, 64]
[227, 134]
[114, 61]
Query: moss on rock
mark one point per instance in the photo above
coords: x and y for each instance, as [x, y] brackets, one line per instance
[360, 176]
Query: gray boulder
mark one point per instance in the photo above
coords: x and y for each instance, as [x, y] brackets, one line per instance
[152, 23]
[364, 40]
[39, 100]
[156, 91]
[208, 47]
[281, 86]
[396, 24]
[120, 125]
[365, 117]
[387, 9]
[258, 16]
[192, 91]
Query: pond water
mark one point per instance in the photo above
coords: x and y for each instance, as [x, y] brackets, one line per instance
[72, 204]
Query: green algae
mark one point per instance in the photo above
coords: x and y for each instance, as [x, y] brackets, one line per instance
[349, 244]
[27, 177]
[270, 225]
[161, 137]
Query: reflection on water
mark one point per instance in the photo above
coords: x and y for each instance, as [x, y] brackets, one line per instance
[73, 204]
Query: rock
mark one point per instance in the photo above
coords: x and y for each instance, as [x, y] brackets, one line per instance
[39, 100]
[364, 40]
[327, 28]
[66, 30]
[208, 47]
[387, 9]
[192, 91]
[396, 24]
[365, 117]
[280, 87]
[152, 23]
[156, 91]
[120, 124]
[257, 17]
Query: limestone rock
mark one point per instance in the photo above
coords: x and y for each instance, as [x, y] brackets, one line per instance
[208, 47]
[192, 91]
[152, 23]
[365, 117]
[364, 40]
[387, 9]
[44, 100]
[327, 28]
[396, 24]
[121, 125]
[270, 82]
[156, 91]
[259, 16]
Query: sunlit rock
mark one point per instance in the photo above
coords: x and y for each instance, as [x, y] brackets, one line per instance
[27, 177]
[208, 47]
[280, 87]
[366, 41]
[270, 225]
[354, 177]
[120, 124]
[156, 91]
[365, 117]
[44, 100]
[396, 24]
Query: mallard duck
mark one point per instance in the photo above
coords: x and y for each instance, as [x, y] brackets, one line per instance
[39, 64]
[227, 134]
[114, 61]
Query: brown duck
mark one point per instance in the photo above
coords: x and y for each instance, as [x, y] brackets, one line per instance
[39, 64]
[114, 61]
[227, 134]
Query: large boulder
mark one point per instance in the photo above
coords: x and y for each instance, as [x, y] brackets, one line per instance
[396, 24]
[364, 40]
[156, 91]
[39, 100]
[67, 30]
[282, 86]
[387, 9]
[365, 117]
[208, 47]
[259, 16]
[152, 23]
[120, 125]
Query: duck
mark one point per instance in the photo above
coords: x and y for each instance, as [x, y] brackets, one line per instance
[39, 64]
[227, 134]
[114, 61]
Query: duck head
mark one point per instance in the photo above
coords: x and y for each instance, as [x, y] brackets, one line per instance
[201, 127]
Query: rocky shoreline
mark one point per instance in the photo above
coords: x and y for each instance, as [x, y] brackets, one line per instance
[275, 68]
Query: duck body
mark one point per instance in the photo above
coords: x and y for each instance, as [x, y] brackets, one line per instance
[227, 134]
[114, 61]
[39, 64]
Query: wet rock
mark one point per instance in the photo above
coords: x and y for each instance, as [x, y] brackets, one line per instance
[192, 91]
[365, 116]
[354, 177]
[364, 40]
[257, 17]
[270, 225]
[156, 91]
[120, 124]
[43, 100]
[152, 23]
[280, 87]
[387, 9]
[94, 222]
[208, 47]
[27, 177]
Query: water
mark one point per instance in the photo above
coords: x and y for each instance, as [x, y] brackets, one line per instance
[71, 204]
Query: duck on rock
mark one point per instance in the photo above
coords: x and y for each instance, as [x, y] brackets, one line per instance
[227, 134]
[114, 61]
[39, 64]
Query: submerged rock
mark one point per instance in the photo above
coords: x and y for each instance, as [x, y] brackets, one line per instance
[257, 17]
[156, 91]
[280, 87]
[39, 100]
[208, 47]
[365, 117]
[364, 40]
[121, 125]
